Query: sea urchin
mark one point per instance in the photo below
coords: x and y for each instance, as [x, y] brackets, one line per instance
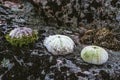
[59, 44]
[94, 55]
[21, 36]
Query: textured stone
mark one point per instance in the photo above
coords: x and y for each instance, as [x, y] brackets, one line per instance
[72, 12]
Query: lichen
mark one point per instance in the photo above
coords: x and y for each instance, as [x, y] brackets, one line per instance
[103, 37]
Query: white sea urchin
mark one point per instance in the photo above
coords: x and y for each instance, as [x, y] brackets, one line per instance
[59, 44]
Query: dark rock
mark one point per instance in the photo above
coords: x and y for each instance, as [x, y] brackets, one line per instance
[72, 12]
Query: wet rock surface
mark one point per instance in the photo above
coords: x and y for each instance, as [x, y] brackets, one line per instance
[34, 62]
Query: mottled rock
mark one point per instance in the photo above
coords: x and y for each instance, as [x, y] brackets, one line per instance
[72, 12]
[102, 37]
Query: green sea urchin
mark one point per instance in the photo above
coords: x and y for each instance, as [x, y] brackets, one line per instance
[94, 55]
[21, 36]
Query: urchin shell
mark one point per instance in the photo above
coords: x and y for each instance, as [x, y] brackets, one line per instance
[21, 36]
[59, 44]
[20, 32]
[94, 54]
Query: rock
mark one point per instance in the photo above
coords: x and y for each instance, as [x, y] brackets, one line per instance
[72, 12]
